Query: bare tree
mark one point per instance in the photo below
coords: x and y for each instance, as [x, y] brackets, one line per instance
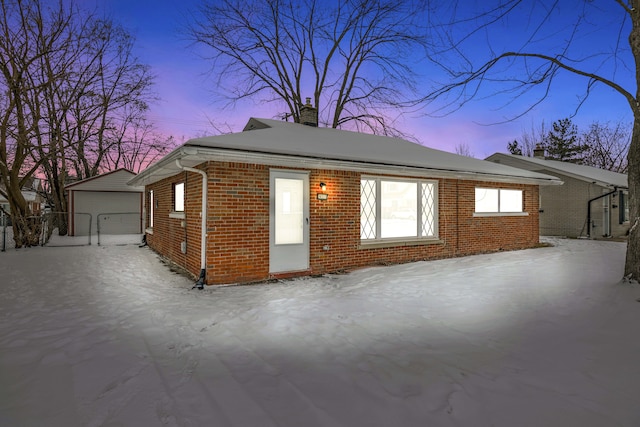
[354, 58]
[73, 88]
[528, 141]
[464, 149]
[543, 48]
[137, 145]
[24, 30]
[608, 146]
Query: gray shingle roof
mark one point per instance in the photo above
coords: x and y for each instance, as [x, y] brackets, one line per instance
[585, 173]
[325, 147]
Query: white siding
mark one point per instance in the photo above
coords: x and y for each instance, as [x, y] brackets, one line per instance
[114, 181]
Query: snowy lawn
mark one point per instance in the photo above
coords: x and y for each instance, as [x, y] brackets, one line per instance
[108, 336]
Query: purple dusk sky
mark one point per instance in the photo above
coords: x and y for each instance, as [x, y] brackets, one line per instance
[188, 102]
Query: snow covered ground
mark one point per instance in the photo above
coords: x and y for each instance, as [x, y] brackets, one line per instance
[109, 336]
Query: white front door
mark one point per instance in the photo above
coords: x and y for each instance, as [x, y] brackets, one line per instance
[288, 221]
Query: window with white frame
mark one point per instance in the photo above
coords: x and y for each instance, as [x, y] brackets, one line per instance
[624, 207]
[498, 200]
[151, 208]
[396, 209]
[178, 197]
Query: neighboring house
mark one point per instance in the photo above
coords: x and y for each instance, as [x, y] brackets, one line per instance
[286, 199]
[592, 202]
[4, 204]
[107, 202]
[32, 191]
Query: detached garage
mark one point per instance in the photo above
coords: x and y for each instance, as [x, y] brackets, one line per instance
[105, 203]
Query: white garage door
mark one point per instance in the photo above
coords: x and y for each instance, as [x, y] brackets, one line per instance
[114, 212]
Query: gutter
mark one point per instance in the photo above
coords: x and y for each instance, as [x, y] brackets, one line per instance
[615, 190]
[196, 155]
[203, 227]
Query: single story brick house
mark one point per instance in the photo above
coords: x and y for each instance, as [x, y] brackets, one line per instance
[282, 199]
[592, 202]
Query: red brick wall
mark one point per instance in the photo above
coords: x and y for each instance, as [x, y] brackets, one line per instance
[238, 223]
[168, 233]
[238, 247]
[488, 234]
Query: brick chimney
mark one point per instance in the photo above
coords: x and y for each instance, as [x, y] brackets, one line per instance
[538, 152]
[309, 114]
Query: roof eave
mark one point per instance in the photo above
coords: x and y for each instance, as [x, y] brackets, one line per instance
[584, 178]
[563, 172]
[164, 168]
[193, 155]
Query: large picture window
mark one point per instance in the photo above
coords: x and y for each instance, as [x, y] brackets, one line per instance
[494, 200]
[396, 209]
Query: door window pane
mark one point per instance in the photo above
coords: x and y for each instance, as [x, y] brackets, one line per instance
[289, 212]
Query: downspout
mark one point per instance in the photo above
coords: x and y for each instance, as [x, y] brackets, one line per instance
[615, 190]
[203, 232]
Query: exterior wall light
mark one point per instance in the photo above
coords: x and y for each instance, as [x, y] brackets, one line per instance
[323, 195]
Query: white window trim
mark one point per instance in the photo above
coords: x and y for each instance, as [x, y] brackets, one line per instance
[498, 213]
[484, 214]
[409, 240]
[177, 215]
[394, 241]
[151, 209]
[623, 205]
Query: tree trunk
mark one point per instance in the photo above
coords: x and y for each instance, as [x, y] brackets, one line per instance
[26, 228]
[60, 205]
[632, 264]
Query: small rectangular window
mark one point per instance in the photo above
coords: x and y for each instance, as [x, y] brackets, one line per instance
[487, 200]
[178, 197]
[151, 208]
[494, 200]
[624, 207]
[510, 200]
